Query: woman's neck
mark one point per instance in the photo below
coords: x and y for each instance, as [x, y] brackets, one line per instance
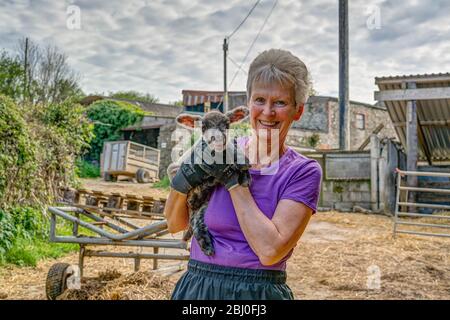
[262, 154]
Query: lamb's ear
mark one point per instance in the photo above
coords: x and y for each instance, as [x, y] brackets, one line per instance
[187, 121]
[238, 114]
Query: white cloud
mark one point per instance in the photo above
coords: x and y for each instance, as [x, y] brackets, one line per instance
[163, 47]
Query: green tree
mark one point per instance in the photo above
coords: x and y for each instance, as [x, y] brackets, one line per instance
[134, 95]
[178, 103]
[11, 76]
[109, 117]
[39, 145]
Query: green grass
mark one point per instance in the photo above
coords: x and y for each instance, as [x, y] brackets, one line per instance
[162, 184]
[29, 251]
[85, 169]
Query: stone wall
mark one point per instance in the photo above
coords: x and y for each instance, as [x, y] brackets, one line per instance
[165, 144]
[346, 180]
[321, 120]
[344, 195]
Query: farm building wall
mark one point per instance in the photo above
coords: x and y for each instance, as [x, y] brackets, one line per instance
[165, 145]
[321, 120]
[346, 180]
[366, 179]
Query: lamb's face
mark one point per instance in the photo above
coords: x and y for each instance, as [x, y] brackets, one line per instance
[214, 128]
[214, 125]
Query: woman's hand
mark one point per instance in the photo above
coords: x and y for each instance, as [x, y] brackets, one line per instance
[270, 239]
[229, 173]
[189, 174]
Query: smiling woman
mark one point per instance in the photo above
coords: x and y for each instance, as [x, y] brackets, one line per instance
[255, 228]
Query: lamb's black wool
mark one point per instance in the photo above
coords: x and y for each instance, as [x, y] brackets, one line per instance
[199, 196]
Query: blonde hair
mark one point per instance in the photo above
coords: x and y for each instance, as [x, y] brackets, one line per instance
[282, 67]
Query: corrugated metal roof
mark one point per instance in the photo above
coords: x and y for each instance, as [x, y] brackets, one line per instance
[418, 77]
[155, 125]
[433, 115]
[194, 97]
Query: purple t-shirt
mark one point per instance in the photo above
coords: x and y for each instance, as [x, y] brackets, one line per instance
[293, 177]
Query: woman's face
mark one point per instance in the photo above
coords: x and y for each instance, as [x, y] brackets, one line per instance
[272, 107]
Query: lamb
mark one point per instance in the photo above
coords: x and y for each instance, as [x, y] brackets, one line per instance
[197, 199]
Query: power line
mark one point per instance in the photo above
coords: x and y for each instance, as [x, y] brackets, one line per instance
[254, 41]
[242, 22]
[237, 65]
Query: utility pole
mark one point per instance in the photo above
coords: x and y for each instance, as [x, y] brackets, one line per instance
[25, 68]
[225, 91]
[344, 134]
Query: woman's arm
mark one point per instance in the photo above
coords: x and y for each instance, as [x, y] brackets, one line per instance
[176, 212]
[271, 240]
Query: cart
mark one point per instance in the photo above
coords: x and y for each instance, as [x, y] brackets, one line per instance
[127, 158]
[100, 220]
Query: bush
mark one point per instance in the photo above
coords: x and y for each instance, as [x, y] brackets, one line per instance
[86, 169]
[20, 222]
[18, 153]
[39, 146]
[312, 140]
[110, 116]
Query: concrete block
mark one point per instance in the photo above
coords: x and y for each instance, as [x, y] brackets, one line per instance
[365, 205]
[344, 206]
[331, 196]
[365, 197]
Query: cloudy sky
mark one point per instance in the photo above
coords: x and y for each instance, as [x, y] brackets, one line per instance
[163, 47]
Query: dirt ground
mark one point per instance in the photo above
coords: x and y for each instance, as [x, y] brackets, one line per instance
[340, 256]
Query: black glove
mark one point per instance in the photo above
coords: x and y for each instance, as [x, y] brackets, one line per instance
[190, 174]
[229, 174]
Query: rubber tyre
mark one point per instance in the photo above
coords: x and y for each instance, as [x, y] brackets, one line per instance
[110, 178]
[142, 176]
[55, 284]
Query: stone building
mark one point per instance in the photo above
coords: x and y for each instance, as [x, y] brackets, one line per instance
[319, 125]
[154, 130]
[318, 128]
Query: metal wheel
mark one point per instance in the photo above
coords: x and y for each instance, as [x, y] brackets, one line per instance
[55, 284]
[142, 176]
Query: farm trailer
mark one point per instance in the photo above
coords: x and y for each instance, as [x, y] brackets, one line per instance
[127, 158]
[103, 219]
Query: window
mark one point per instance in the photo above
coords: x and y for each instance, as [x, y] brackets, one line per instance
[360, 121]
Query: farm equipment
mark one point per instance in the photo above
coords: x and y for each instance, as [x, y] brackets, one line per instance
[127, 158]
[109, 219]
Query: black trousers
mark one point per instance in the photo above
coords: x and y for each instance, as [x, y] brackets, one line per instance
[204, 281]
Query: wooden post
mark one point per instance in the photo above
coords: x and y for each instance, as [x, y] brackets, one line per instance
[344, 135]
[411, 145]
[225, 90]
[137, 264]
[25, 75]
[155, 260]
[81, 259]
[374, 172]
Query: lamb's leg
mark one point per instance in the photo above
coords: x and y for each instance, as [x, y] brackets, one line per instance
[200, 195]
[201, 232]
[188, 233]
